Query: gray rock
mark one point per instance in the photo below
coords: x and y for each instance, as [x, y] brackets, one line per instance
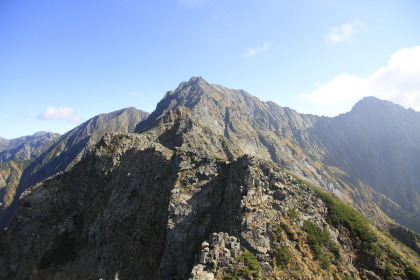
[279, 195]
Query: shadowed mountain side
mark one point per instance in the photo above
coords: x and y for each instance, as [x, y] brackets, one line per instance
[378, 143]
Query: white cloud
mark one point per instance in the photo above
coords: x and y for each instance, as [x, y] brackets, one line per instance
[253, 51]
[64, 113]
[341, 89]
[397, 82]
[343, 33]
[136, 94]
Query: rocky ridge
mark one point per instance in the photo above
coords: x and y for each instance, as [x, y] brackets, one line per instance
[134, 208]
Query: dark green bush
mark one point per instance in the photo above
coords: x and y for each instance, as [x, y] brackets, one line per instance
[316, 237]
[325, 262]
[282, 256]
[412, 273]
[292, 214]
[278, 230]
[288, 231]
[335, 250]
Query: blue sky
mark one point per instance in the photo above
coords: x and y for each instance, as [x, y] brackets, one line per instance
[63, 62]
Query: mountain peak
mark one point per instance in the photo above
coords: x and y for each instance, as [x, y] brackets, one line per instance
[373, 103]
[195, 83]
[195, 80]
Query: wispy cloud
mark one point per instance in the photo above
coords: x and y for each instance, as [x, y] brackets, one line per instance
[136, 94]
[63, 113]
[343, 33]
[253, 51]
[398, 82]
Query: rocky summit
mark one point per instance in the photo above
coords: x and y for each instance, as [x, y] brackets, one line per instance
[214, 184]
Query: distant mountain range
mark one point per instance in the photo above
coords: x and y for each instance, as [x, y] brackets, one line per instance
[26, 147]
[212, 161]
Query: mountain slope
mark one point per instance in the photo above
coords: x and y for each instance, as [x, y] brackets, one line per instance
[71, 147]
[379, 143]
[10, 173]
[26, 147]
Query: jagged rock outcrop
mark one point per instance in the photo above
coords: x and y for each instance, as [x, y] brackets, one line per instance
[135, 209]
